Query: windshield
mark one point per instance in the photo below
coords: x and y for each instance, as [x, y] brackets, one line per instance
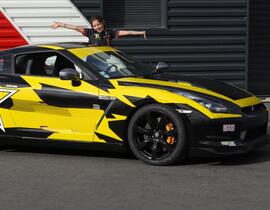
[111, 64]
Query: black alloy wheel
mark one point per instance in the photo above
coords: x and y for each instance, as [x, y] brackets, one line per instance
[156, 135]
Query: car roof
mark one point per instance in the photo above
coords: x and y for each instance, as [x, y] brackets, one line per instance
[43, 47]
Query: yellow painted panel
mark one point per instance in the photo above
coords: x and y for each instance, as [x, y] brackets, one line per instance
[172, 84]
[3, 94]
[105, 130]
[162, 96]
[224, 115]
[7, 120]
[98, 140]
[83, 52]
[85, 87]
[73, 119]
[30, 111]
[248, 101]
[52, 47]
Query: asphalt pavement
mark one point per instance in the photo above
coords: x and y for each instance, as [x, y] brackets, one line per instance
[55, 179]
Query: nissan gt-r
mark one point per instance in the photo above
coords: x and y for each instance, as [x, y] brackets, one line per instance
[78, 94]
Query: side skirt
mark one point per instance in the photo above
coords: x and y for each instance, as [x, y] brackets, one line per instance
[59, 144]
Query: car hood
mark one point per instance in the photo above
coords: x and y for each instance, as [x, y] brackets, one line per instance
[222, 88]
[170, 81]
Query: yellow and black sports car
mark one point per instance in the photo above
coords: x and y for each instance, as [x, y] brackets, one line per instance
[73, 93]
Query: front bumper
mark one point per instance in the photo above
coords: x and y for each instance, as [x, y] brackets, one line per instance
[238, 147]
[208, 135]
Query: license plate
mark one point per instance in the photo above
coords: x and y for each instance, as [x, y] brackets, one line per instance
[228, 127]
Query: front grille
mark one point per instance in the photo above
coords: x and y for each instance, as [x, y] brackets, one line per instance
[254, 108]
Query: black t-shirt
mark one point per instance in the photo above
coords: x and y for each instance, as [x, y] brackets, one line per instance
[100, 39]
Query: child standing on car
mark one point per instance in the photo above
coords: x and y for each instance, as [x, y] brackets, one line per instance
[98, 35]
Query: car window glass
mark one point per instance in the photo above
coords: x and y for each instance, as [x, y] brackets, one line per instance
[112, 64]
[42, 64]
[5, 64]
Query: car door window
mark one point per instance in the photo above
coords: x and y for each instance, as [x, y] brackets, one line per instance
[42, 64]
[5, 64]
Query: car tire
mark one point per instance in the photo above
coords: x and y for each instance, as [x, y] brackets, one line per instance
[156, 135]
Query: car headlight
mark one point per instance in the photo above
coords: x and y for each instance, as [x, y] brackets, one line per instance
[213, 106]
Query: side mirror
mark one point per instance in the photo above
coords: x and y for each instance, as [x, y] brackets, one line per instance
[161, 67]
[69, 74]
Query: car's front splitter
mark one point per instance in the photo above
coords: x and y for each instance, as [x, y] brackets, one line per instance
[230, 148]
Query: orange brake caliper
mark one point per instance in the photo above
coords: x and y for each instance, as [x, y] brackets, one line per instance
[170, 139]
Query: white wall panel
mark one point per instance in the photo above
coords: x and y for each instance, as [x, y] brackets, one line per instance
[54, 39]
[34, 19]
[44, 22]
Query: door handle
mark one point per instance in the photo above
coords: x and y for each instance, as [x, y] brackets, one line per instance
[11, 86]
